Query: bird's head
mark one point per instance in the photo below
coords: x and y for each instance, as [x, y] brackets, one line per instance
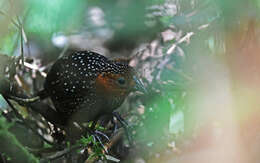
[119, 80]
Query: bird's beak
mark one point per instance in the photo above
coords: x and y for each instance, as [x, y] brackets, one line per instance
[139, 86]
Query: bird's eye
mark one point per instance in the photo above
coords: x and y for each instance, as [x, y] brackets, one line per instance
[121, 81]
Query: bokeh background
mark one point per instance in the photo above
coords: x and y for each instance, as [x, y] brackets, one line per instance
[199, 60]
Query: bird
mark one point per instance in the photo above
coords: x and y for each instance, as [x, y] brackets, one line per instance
[85, 85]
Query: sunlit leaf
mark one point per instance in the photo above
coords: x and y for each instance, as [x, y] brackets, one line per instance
[176, 125]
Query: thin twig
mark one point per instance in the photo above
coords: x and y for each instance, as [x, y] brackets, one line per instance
[63, 51]
[24, 100]
[21, 42]
[36, 68]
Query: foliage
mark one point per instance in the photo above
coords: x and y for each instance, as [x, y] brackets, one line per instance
[10, 146]
[96, 147]
[169, 67]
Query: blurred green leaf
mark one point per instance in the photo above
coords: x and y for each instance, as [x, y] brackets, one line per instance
[8, 43]
[47, 16]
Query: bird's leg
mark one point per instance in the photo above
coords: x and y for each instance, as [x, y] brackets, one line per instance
[120, 119]
[102, 134]
[96, 135]
[105, 119]
[75, 131]
[115, 126]
[96, 132]
[125, 126]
